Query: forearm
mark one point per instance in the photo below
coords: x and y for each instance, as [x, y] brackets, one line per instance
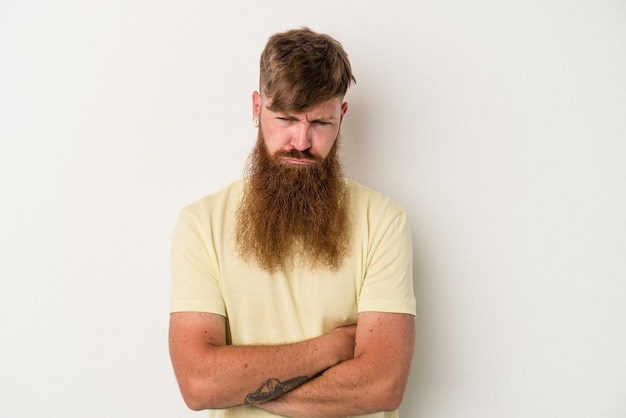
[374, 380]
[226, 376]
[213, 375]
[344, 390]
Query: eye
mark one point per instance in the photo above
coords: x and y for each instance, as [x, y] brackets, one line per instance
[284, 119]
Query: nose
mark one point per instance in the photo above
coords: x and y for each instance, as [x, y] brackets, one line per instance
[301, 139]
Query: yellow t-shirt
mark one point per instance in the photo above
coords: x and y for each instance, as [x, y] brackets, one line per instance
[298, 304]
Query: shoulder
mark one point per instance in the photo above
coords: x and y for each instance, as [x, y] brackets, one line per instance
[211, 211]
[366, 199]
[221, 199]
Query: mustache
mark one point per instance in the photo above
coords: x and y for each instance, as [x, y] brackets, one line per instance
[300, 155]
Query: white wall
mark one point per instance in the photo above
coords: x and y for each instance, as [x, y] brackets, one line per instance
[500, 125]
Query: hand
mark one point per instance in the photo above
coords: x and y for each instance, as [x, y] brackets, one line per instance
[345, 342]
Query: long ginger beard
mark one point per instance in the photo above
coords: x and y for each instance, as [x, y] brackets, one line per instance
[292, 214]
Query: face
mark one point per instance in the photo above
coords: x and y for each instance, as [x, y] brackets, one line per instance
[294, 207]
[313, 132]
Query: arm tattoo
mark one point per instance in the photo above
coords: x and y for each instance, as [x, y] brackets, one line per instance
[273, 388]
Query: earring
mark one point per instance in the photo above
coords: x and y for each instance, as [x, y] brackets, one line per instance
[255, 122]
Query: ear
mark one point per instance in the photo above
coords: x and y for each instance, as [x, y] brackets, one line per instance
[256, 105]
[344, 109]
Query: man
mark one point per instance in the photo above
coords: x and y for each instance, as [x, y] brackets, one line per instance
[292, 288]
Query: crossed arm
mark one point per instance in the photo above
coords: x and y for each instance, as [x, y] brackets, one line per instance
[365, 367]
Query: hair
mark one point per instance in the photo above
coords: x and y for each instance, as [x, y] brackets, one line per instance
[293, 215]
[300, 69]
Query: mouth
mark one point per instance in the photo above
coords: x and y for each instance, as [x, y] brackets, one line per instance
[297, 161]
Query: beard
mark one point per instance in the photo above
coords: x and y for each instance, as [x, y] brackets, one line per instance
[293, 213]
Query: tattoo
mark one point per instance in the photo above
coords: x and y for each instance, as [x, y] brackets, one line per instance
[273, 388]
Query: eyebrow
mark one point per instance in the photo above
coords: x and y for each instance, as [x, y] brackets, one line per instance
[291, 116]
[322, 119]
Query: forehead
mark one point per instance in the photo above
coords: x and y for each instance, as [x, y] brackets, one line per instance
[327, 109]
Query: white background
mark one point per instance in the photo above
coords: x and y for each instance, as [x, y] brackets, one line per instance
[499, 125]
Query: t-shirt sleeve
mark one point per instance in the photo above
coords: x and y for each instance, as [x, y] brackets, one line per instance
[388, 282]
[195, 280]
